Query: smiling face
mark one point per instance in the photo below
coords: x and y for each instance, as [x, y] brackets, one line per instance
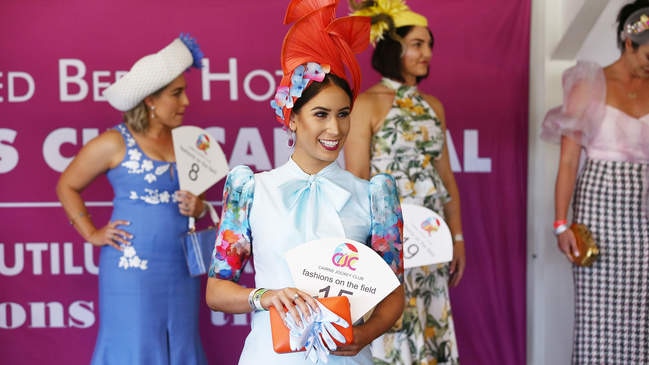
[321, 126]
[169, 104]
[415, 62]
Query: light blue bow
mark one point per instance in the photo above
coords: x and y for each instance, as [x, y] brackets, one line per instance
[316, 201]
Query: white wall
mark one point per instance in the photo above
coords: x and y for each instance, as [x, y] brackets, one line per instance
[592, 36]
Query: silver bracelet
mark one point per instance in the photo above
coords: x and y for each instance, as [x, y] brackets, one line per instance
[458, 238]
[254, 299]
[250, 302]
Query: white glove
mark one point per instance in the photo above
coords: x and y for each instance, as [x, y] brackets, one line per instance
[317, 332]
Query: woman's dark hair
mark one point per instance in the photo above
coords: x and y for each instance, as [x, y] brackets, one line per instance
[386, 58]
[315, 87]
[622, 17]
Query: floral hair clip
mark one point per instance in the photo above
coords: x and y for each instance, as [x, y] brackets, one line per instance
[285, 96]
[194, 49]
[317, 44]
[639, 26]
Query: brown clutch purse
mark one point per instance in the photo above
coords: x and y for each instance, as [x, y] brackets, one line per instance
[588, 250]
[280, 333]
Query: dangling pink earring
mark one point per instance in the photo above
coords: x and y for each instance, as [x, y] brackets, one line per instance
[152, 113]
[291, 138]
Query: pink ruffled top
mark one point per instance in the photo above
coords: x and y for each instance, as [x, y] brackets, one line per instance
[605, 132]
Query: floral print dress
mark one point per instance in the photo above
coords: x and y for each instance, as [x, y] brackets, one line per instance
[406, 145]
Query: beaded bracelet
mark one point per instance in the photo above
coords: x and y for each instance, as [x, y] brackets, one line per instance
[254, 299]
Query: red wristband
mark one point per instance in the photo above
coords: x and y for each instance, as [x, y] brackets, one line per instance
[559, 223]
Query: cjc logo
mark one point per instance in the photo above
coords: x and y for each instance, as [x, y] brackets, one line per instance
[345, 256]
[203, 142]
[430, 225]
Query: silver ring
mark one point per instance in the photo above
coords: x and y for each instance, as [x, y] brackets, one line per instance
[295, 296]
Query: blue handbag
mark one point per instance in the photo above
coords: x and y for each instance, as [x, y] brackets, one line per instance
[198, 246]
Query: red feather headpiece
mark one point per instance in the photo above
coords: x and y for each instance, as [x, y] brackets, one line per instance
[316, 44]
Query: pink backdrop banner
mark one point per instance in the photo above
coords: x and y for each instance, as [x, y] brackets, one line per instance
[56, 59]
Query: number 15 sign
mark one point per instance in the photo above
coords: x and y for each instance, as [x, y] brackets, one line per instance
[338, 266]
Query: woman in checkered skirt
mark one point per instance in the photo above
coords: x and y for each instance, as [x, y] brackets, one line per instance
[605, 114]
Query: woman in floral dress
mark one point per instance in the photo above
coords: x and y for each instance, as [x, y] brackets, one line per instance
[400, 131]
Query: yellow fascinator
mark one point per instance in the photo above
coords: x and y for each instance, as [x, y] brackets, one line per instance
[386, 15]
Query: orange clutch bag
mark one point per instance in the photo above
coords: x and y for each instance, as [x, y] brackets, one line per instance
[588, 250]
[338, 305]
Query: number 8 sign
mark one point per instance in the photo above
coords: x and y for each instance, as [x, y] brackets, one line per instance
[199, 159]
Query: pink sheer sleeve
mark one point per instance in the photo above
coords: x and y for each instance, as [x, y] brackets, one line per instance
[582, 112]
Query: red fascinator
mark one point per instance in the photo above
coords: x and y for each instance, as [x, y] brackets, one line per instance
[315, 45]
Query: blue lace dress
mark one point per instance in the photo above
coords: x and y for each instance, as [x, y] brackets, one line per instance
[269, 213]
[148, 302]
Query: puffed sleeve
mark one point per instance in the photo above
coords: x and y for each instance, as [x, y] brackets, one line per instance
[584, 103]
[387, 222]
[233, 244]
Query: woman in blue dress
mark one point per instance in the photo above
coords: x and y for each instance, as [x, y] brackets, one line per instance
[148, 302]
[310, 197]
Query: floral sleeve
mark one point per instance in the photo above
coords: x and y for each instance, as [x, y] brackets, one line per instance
[387, 222]
[233, 243]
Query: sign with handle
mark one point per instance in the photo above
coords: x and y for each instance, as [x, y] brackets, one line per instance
[342, 267]
[427, 239]
[200, 161]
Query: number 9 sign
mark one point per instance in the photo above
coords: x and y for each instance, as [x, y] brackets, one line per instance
[426, 237]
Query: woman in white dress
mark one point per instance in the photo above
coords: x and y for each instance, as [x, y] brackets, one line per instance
[310, 197]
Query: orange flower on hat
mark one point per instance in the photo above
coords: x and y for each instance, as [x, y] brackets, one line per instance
[317, 44]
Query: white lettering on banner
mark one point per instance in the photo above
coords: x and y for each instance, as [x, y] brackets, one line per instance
[66, 80]
[267, 94]
[8, 154]
[58, 137]
[75, 79]
[38, 252]
[98, 86]
[218, 133]
[452, 154]
[249, 150]
[80, 314]
[221, 319]
[280, 146]
[231, 76]
[472, 163]
[12, 77]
